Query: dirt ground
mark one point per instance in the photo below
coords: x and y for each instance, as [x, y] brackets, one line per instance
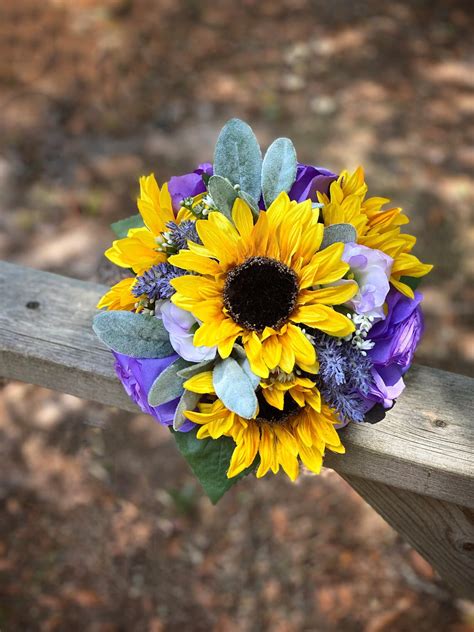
[102, 527]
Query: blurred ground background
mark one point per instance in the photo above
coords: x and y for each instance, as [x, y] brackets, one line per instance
[102, 527]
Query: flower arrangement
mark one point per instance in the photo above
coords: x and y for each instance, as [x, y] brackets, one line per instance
[267, 304]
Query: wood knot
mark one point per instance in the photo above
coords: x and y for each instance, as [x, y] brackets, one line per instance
[32, 305]
[439, 423]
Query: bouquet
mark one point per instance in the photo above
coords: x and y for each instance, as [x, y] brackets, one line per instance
[266, 304]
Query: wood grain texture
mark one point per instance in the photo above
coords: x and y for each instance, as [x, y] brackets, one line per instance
[425, 444]
[441, 531]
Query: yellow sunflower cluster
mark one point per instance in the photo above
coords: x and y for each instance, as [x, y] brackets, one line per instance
[265, 285]
[376, 228]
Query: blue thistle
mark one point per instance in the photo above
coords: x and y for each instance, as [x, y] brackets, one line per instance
[155, 282]
[344, 376]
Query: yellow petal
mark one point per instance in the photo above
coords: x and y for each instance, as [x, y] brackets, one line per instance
[200, 383]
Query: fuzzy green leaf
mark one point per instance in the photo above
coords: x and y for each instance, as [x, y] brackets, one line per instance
[278, 169]
[234, 388]
[168, 385]
[188, 401]
[223, 194]
[238, 157]
[253, 204]
[122, 227]
[336, 233]
[135, 335]
[209, 460]
[195, 368]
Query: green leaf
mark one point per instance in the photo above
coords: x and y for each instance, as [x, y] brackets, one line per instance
[234, 388]
[209, 460]
[412, 282]
[238, 157]
[122, 227]
[168, 385]
[188, 401]
[135, 335]
[253, 204]
[239, 353]
[336, 233]
[195, 368]
[278, 169]
[223, 194]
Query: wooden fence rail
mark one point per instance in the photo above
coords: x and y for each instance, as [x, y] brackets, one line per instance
[415, 467]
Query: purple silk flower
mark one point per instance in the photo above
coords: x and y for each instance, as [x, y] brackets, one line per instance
[396, 339]
[189, 184]
[310, 180]
[137, 376]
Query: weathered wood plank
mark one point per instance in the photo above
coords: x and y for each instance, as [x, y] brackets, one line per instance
[424, 445]
[441, 531]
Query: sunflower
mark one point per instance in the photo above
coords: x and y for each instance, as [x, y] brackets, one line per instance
[141, 249]
[264, 283]
[119, 296]
[375, 227]
[278, 436]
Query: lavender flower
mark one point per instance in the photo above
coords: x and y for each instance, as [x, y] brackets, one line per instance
[344, 377]
[155, 283]
[179, 234]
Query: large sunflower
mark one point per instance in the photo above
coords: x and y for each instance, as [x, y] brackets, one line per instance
[278, 436]
[376, 228]
[263, 283]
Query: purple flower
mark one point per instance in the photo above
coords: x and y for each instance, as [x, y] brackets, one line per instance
[180, 325]
[137, 376]
[310, 180]
[188, 185]
[396, 339]
[371, 269]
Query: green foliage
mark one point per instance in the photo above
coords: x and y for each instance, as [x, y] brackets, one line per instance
[238, 157]
[122, 227]
[188, 401]
[195, 368]
[223, 194]
[209, 460]
[253, 204]
[412, 282]
[336, 233]
[168, 385]
[234, 388]
[278, 169]
[135, 335]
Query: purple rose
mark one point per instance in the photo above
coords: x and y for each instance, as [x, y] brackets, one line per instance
[371, 269]
[188, 185]
[396, 339]
[310, 180]
[137, 376]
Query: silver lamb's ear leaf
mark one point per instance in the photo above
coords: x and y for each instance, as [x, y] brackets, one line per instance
[238, 158]
[193, 369]
[135, 335]
[278, 169]
[188, 401]
[345, 233]
[234, 388]
[253, 205]
[168, 385]
[239, 353]
[223, 194]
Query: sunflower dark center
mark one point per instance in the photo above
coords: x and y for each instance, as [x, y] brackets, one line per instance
[260, 293]
[269, 414]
